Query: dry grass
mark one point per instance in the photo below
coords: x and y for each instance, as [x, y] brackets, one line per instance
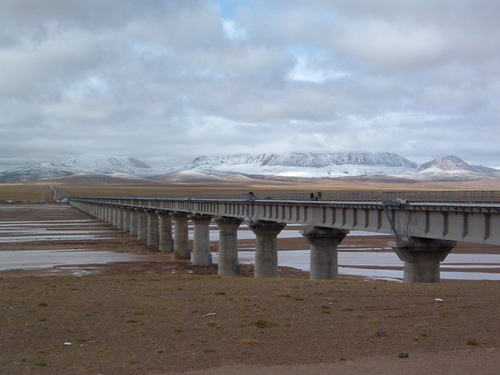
[23, 192]
[115, 187]
[134, 324]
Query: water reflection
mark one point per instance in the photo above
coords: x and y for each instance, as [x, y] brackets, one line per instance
[53, 230]
[69, 237]
[40, 259]
[387, 265]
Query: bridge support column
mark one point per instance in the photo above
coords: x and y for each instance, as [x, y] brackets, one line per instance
[201, 240]
[153, 229]
[124, 216]
[165, 240]
[324, 256]
[119, 220]
[142, 225]
[101, 212]
[93, 210]
[116, 214]
[266, 247]
[126, 220]
[422, 257]
[181, 249]
[228, 245]
[109, 215]
[134, 221]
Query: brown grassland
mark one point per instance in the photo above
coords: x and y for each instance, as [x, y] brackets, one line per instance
[151, 319]
[134, 324]
[36, 191]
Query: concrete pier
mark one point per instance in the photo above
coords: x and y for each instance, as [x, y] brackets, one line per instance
[153, 229]
[422, 257]
[266, 247]
[100, 212]
[166, 241]
[142, 225]
[201, 241]
[123, 216]
[119, 219]
[116, 214]
[109, 215]
[228, 245]
[181, 244]
[126, 220]
[324, 255]
[134, 222]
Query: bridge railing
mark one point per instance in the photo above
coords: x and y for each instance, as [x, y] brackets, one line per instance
[465, 196]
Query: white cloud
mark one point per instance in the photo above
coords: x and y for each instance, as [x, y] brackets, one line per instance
[305, 71]
[392, 45]
[166, 81]
[233, 31]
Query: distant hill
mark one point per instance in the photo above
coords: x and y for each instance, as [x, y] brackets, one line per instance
[312, 165]
[82, 164]
[359, 165]
[453, 166]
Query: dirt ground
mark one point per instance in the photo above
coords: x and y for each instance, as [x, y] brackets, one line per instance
[137, 324]
[166, 317]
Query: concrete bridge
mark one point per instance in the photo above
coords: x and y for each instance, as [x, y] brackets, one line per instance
[424, 232]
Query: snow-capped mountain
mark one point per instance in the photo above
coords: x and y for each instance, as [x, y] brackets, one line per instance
[211, 168]
[451, 165]
[306, 164]
[82, 164]
[309, 160]
[102, 164]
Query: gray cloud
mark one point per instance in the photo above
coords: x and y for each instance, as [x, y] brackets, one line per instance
[166, 81]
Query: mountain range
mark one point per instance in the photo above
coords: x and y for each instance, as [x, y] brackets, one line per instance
[306, 165]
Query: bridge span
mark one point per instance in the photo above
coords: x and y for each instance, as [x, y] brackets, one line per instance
[424, 232]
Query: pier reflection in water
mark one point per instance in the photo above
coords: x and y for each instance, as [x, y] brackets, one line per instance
[387, 265]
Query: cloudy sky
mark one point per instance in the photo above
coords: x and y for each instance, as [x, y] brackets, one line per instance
[165, 81]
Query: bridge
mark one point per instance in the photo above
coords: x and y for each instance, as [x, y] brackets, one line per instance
[424, 232]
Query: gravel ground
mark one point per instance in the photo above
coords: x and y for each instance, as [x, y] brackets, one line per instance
[142, 323]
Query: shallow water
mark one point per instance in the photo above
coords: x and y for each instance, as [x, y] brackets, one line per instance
[53, 238]
[247, 234]
[52, 230]
[40, 259]
[349, 263]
